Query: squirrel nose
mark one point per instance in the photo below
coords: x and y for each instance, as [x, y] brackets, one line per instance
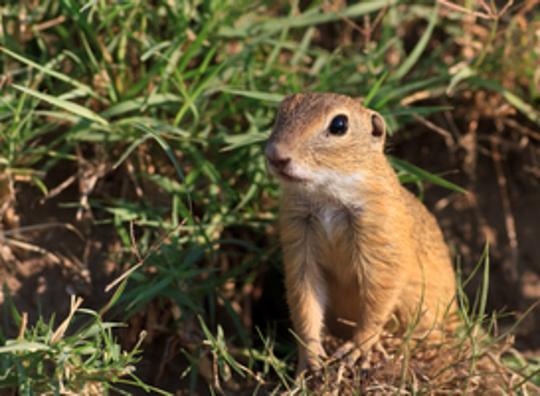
[276, 158]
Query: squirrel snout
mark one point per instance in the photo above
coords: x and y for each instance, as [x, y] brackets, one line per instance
[276, 157]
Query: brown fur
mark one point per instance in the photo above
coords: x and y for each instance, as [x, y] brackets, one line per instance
[357, 246]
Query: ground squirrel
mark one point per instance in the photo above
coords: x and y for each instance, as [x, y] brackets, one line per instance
[358, 247]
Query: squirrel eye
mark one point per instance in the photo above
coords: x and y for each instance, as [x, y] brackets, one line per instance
[339, 125]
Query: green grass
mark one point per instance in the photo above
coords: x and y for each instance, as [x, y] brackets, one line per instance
[56, 359]
[176, 98]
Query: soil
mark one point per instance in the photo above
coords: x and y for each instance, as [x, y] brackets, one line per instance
[73, 258]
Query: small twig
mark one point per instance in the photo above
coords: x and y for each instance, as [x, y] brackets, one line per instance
[449, 140]
[171, 346]
[491, 10]
[35, 227]
[50, 23]
[339, 378]
[58, 189]
[463, 10]
[215, 373]
[152, 249]
[509, 220]
[523, 129]
[369, 27]
[532, 170]
[131, 173]
[489, 14]
[33, 248]
[134, 247]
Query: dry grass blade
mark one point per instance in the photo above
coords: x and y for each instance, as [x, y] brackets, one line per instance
[124, 275]
[23, 326]
[33, 248]
[42, 226]
[75, 303]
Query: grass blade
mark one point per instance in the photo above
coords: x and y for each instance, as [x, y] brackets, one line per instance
[424, 175]
[71, 107]
[47, 70]
[263, 96]
[24, 346]
[418, 49]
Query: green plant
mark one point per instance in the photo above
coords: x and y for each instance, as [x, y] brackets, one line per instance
[79, 356]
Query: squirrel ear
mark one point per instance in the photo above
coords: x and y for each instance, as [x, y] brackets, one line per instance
[378, 125]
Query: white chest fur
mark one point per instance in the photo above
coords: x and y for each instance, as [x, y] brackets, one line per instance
[332, 219]
[335, 242]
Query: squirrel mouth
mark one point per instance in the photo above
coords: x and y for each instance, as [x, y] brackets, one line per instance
[286, 175]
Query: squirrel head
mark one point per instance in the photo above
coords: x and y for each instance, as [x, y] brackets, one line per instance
[324, 142]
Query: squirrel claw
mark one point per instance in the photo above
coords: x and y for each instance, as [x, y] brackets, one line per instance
[348, 353]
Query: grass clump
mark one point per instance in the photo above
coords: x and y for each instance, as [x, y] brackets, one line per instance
[79, 356]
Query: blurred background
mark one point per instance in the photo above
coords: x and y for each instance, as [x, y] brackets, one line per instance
[130, 150]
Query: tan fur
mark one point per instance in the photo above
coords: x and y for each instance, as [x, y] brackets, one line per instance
[358, 247]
